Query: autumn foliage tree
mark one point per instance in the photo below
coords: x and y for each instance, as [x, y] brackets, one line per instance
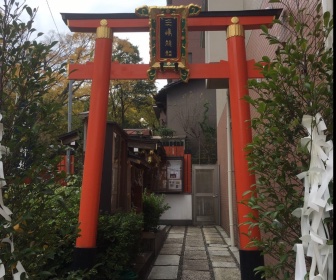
[71, 48]
[130, 100]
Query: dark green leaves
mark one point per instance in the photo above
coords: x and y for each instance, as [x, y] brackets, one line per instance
[297, 81]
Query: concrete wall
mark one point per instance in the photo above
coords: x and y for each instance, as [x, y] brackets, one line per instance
[185, 108]
[188, 100]
[180, 212]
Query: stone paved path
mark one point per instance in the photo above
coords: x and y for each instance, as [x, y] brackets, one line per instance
[192, 253]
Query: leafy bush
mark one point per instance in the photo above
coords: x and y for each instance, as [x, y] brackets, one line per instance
[153, 208]
[297, 81]
[45, 227]
[118, 243]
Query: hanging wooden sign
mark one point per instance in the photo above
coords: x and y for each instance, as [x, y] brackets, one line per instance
[168, 32]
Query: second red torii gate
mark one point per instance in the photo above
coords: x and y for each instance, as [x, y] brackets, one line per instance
[236, 69]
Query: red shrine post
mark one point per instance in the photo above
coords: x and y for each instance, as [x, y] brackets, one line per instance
[236, 69]
[250, 257]
[93, 163]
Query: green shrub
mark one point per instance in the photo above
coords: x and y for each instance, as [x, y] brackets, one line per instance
[153, 208]
[118, 243]
[297, 81]
[45, 227]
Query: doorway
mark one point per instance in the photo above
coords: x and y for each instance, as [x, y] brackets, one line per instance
[205, 194]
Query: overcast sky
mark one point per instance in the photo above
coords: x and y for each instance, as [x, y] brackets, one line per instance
[46, 20]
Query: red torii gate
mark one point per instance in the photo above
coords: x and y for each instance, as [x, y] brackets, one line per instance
[102, 70]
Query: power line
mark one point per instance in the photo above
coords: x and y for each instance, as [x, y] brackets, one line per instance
[53, 18]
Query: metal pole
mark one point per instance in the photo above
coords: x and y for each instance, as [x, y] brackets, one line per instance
[68, 152]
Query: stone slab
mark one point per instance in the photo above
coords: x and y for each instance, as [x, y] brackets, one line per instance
[194, 243]
[227, 274]
[227, 241]
[198, 230]
[195, 255]
[224, 264]
[175, 235]
[210, 234]
[174, 240]
[221, 258]
[195, 265]
[177, 229]
[194, 230]
[194, 239]
[172, 245]
[163, 272]
[219, 253]
[209, 230]
[199, 248]
[171, 251]
[221, 230]
[234, 249]
[214, 240]
[167, 260]
[211, 249]
[194, 234]
[195, 275]
[214, 245]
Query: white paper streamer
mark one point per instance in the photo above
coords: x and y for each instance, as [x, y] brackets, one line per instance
[300, 266]
[2, 271]
[20, 269]
[5, 212]
[316, 206]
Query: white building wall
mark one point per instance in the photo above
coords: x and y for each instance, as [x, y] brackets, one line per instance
[180, 207]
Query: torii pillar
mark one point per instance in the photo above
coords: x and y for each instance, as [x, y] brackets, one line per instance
[250, 257]
[94, 155]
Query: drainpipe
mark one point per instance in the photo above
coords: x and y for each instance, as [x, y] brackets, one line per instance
[327, 5]
[229, 163]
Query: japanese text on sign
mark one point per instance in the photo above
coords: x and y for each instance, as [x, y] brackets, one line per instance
[168, 37]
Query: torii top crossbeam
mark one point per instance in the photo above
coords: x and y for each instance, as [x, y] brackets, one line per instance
[205, 21]
[130, 22]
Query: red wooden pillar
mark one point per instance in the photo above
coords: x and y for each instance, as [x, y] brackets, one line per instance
[187, 167]
[250, 257]
[93, 163]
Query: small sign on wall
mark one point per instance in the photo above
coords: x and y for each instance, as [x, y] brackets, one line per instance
[171, 176]
[174, 169]
[175, 185]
